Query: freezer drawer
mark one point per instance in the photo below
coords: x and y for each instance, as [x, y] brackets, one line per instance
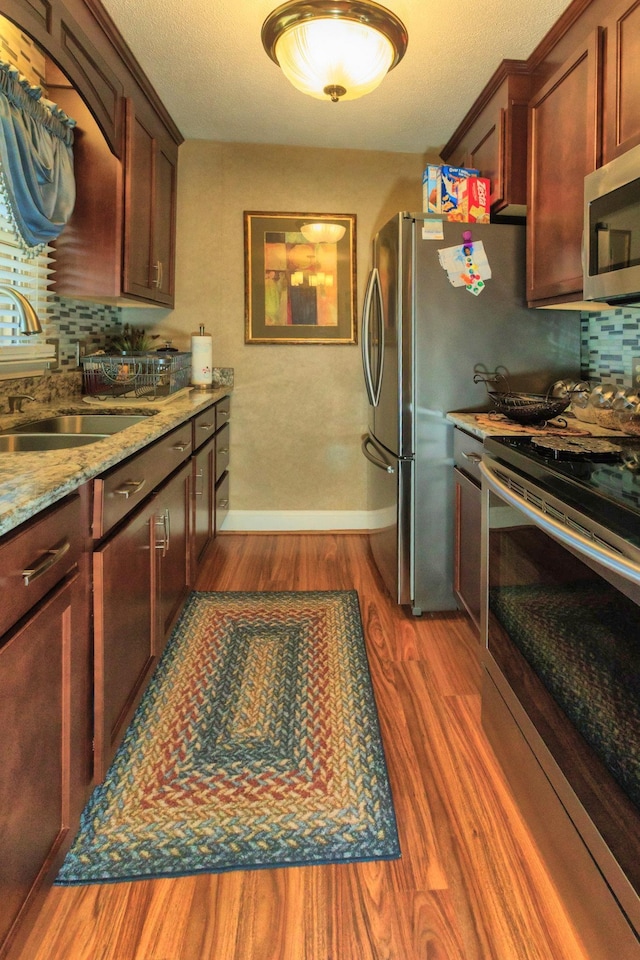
[390, 536]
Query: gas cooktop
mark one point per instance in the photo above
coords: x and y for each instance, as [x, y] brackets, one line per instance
[599, 476]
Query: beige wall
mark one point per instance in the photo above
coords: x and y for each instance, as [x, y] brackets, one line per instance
[298, 411]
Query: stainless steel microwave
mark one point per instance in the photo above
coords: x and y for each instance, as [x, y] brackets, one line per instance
[612, 231]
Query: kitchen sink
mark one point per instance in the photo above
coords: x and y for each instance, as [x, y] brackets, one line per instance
[103, 424]
[25, 442]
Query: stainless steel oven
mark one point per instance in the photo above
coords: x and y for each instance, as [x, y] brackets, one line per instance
[561, 690]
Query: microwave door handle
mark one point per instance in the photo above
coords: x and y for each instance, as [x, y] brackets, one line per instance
[597, 552]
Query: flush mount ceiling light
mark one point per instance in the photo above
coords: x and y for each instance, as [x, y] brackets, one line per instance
[322, 232]
[338, 49]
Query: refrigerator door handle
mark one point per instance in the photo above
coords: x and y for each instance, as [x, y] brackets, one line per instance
[382, 464]
[373, 290]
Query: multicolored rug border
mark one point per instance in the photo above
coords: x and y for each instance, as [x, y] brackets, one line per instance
[361, 823]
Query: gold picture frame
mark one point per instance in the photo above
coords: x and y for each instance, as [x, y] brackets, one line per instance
[299, 290]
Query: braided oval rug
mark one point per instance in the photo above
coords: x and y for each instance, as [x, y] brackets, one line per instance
[255, 745]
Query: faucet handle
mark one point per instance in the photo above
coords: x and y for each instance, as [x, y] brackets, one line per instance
[15, 402]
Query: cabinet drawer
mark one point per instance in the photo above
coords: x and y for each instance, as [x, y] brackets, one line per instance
[223, 412]
[204, 426]
[222, 501]
[36, 557]
[124, 488]
[467, 453]
[222, 450]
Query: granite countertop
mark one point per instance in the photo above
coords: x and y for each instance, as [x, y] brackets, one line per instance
[29, 482]
[467, 421]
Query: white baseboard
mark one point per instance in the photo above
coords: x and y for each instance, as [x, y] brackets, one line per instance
[259, 521]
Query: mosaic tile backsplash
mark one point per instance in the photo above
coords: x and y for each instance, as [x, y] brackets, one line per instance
[610, 341]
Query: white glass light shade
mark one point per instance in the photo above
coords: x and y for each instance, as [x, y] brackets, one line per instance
[334, 49]
[318, 54]
[322, 232]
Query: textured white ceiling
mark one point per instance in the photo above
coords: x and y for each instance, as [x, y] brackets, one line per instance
[206, 61]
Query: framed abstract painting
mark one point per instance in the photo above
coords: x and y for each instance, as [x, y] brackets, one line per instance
[300, 278]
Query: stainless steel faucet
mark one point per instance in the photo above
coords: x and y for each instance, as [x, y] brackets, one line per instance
[29, 322]
[15, 402]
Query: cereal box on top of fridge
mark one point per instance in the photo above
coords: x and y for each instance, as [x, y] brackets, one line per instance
[431, 180]
[474, 199]
[452, 177]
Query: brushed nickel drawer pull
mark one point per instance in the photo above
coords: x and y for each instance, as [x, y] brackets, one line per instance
[222, 413]
[224, 450]
[473, 457]
[49, 560]
[206, 426]
[130, 488]
[223, 503]
[182, 445]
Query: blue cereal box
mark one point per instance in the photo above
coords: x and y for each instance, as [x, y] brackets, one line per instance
[450, 192]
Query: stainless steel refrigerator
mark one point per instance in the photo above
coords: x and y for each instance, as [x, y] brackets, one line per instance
[422, 341]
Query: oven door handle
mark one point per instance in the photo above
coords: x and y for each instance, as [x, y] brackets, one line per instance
[594, 551]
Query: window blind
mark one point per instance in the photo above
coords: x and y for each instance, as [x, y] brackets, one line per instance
[31, 277]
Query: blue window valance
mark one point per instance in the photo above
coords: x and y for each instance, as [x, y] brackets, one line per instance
[37, 182]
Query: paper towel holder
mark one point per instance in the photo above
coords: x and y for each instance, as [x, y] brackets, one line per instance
[201, 361]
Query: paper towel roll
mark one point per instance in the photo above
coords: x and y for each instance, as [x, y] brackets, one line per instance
[201, 360]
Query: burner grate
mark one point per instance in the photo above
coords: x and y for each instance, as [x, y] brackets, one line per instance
[581, 448]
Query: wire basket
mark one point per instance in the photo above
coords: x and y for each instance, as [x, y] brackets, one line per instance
[149, 375]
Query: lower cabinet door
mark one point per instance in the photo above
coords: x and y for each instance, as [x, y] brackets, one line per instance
[222, 500]
[124, 585]
[466, 581]
[172, 529]
[202, 496]
[38, 750]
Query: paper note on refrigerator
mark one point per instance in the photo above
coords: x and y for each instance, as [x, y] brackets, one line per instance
[466, 266]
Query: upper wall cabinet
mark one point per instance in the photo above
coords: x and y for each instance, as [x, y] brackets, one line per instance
[621, 128]
[564, 148]
[493, 137]
[120, 241]
[150, 207]
[88, 64]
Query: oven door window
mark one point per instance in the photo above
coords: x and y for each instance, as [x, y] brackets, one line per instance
[566, 636]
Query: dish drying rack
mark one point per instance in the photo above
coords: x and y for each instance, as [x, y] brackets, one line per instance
[151, 376]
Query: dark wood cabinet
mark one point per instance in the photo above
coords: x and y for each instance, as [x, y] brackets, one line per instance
[621, 108]
[45, 710]
[467, 524]
[120, 242]
[203, 485]
[564, 147]
[123, 629]
[150, 205]
[492, 138]
[210, 485]
[172, 548]
[140, 582]
[140, 577]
